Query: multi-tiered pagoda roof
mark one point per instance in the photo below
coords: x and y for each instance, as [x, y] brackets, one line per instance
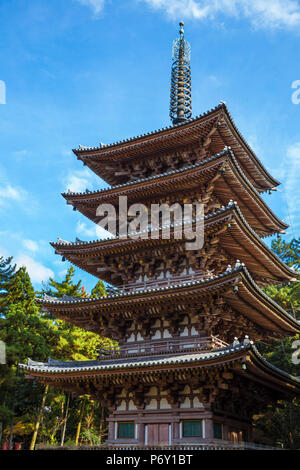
[177, 314]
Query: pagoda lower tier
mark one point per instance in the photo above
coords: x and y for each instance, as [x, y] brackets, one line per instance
[225, 306]
[213, 182]
[148, 261]
[187, 398]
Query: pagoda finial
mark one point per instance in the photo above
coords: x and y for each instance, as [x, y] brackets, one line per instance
[181, 101]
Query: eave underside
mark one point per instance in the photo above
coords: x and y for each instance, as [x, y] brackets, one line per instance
[220, 173]
[226, 229]
[243, 299]
[233, 364]
[194, 132]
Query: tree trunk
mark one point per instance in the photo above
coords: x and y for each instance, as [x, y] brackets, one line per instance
[38, 419]
[101, 424]
[63, 434]
[80, 422]
[11, 426]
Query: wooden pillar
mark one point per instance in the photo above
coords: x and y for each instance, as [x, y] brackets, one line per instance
[176, 435]
[141, 434]
[208, 428]
[111, 431]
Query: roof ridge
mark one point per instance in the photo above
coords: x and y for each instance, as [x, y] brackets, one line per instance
[131, 139]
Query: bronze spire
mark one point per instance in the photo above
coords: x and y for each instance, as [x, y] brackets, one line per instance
[181, 101]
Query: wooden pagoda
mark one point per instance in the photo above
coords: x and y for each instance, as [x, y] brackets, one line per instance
[185, 372]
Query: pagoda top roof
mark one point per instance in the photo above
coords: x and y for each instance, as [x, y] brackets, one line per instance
[251, 300]
[177, 135]
[244, 352]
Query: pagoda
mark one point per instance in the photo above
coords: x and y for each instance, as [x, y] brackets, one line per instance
[186, 371]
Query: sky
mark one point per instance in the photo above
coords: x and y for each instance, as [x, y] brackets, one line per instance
[81, 72]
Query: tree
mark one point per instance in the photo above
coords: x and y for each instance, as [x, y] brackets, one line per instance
[6, 274]
[66, 287]
[281, 425]
[26, 334]
[99, 290]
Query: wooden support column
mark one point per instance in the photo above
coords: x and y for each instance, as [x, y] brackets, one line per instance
[141, 434]
[111, 430]
[208, 428]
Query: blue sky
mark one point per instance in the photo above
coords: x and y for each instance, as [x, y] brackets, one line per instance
[85, 71]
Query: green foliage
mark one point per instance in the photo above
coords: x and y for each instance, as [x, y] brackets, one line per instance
[66, 287]
[28, 332]
[289, 252]
[99, 290]
[282, 425]
[6, 274]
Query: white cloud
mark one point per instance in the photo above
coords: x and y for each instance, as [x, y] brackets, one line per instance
[79, 180]
[95, 5]
[30, 245]
[261, 13]
[82, 229]
[37, 271]
[290, 170]
[12, 193]
[94, 231]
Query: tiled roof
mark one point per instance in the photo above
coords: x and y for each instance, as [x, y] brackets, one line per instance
[61, 367]
[238, 268]
[232, 205]
[54, 300]
[225, 151]
[166, 359]
[153, 177]
[220, 106]
[61, 242]
[132, 139]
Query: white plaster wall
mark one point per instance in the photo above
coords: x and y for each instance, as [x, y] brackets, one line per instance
[122, 406]
[131, 406]
[185, 332]
[166, 334]
[186, 403]
[131, 338]
[157, 335]
[164, 405]
[152, 405]
[197, 403]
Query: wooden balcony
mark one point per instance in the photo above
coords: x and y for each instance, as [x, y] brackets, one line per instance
[162, 346]
[159, 283]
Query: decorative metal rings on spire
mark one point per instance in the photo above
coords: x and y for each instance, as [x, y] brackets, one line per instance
[181, 98]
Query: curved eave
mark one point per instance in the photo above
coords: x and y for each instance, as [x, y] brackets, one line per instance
[257, 368]
[265, 372]
[249, 301]
[239, 240]
[165, 362]
[231, 185]
[182, 134]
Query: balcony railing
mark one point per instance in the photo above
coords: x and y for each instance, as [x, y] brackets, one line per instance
[149, 347]
[159, 283]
